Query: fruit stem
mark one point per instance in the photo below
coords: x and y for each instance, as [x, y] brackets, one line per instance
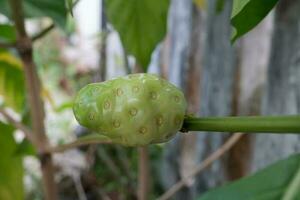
[257, 124]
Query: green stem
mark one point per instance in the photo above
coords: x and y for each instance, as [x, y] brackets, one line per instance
[257, 124]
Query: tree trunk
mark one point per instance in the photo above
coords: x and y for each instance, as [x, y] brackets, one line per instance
[177, 46]
[217, 87]
[282, 94]
[253, 67]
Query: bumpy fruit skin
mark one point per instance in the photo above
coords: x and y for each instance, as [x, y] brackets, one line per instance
[133, 110]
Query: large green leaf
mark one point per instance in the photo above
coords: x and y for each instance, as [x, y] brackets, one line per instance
[55, 9]
[246, 14]
[278, 181]
[25, 148]
[7, 33]
[141, 25]
[12, 88]
[11, 168]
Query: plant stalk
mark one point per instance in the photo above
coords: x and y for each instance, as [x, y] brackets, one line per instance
[254, 124]
[33, 86]
[143, 176]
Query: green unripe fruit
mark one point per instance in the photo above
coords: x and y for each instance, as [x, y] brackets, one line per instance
[133, 110]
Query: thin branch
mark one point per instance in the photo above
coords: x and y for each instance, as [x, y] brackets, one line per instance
[78, 186]
[126, 61]
[143, 176]
[108, 162]
[103, 47]
[125, 163]
[64, 147]
[246, 124]
[33, 86]
[43, 32]
[203, 165]
[28, 133]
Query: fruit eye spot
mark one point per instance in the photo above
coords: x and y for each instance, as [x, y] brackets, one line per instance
[119, 92]
[95, 90]
[153, 95]
[106, 105]
[135, 89]
[133, 111]
[159, 120]
[116, 124]
[177, 120]
[143, 130]
[125, 141]
[168, 136]
[91, 116]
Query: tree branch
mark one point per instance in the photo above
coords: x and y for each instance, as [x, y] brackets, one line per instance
[203, 165]
[143, 176]
[64, 147]
[28, 133]
[43, 32]
[24, 47]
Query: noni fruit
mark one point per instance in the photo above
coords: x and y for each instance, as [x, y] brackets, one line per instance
[133, 110]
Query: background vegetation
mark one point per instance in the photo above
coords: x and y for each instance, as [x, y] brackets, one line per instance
[50, 49]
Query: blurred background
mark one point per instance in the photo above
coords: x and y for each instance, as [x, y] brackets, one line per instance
[257, 75]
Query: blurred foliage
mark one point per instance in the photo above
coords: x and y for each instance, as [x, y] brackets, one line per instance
[35, 8]
[58, 74]
[25, 148]
[12, 83]
[141, 25]
[69, 4]
[7, 33]
[11, 167]
[122, 179]
[278, 181]
[246, 14]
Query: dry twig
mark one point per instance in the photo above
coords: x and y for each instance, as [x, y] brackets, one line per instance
[43, 32]
[143, 176]
[18, 125]
[203, 165]
[64, 147]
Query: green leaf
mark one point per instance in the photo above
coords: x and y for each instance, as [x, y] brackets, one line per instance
[12, 83]
[7, 33]
[55, 9]
[278, 181]
[246, 14]
[141, 25]
[11, 169]
[25, 148]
